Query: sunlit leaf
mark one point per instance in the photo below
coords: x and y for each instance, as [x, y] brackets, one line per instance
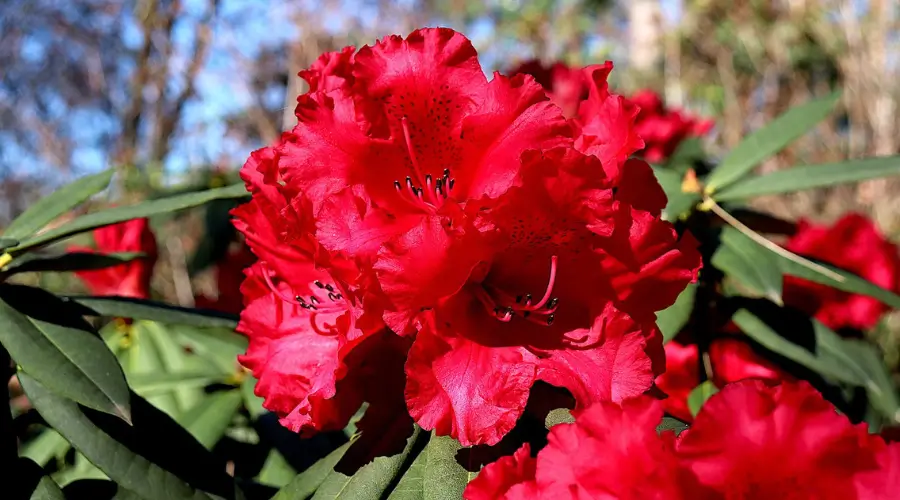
[307, 482]
[276, 471]
[673, 318]
[210, 417]
[699, 395]
[444, 478]
[127, 307]
[69, 261]
[751, 265]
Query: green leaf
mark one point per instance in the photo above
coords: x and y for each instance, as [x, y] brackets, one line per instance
[276, 471]
[307, 482]
[412, 485]
[45, 447]
[120, 214]
[689, 151]
[148, 384]
[252, 402]
[671, 424]
[444, 478]
[71, 261]
[155, 456]
[64, 355]
[47, 489]
[679, 203]
[849, 282]
[754, 267]
[98, 489]
[208, 420]
[173, 357]
[218, 345]
[769, 140]
[371, 481]
[126, 307]
[558, 416]
[699, 395]
[27, 480]
[143, 357]
[47, 209]
[673, 318]
[8, 243]
[804, 177]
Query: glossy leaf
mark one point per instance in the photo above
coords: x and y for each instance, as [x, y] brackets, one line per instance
[64, 355]
[211, 416]
[842, 360]
[276, 470]
[673, 318]
[70, 261]
[679, 203]
[699, 395]
[305, 484]
[126, 307]
[371, 481]
[119, 214]
[769, 140]
[444, 478]
[135, 456]
[753, 266]
[47, 209]
[805, 177]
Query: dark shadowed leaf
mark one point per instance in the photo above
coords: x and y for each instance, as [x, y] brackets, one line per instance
[98, 489]
[126, 307]
[120, 214]
[751, 265]
[155, 456]
[61, 201]
[70, 261]
[210, 417]
[411, 485]
[307, 482]
[372, 480]
[769, 140]
[804, 177]
[699, 395]
[45, 447]
[60, 350]
[26, 479]
[673, 318]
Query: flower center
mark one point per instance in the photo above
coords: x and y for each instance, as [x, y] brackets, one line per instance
[333, 303]
[423, 192]
[504, 306]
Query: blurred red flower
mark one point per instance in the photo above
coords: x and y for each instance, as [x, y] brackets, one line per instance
[229, 275]
[750, 440]
[853, 244]
[131, 279]
[459, 213]
[663, 129]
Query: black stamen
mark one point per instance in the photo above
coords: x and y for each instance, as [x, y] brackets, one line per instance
[334, 297]
[526, 314]
[452, 181]
[528, 299]
[314, 299]
[397, 185]
[509, 311]
[299, 299]
[496, 311]
[438, 183]
[550, 319]
[318, 284]
[518, 299]
[553, 302]
[409, 181]
[329, 288]
[427, 178]
[446, 172]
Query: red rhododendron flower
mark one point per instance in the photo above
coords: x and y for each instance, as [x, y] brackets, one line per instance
[884, 482]
[566, 86]
[853, 244]
[609, 452]
[754, 441]
[663, 129]
[131, 279]
[731, 360]
[456, 211]
[229, 275]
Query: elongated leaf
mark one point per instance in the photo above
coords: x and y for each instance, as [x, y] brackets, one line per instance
[673, 318]
[64, 355]
[135, 457]
[276, 471]
[71, 261]
[61, 201]
[849, 282]
[120, 214]
[209, 418]
[804, 177]
[753, 266]
[307, 482]
[444, 478]
[8, 243]
[769, 140]
[412, 485]
[371, 481]
[252, 402]
[98, 489]
[143, 357]
[126, 307]
[879, 386]
[48, 445]
[688, 151]
[147, 384]
[218, 345]
[699, 395]
[175, 358]
[27, 480]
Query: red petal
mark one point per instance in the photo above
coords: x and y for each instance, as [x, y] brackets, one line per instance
[332, 70]
[465, 390]
[733, 360]
[681, 376]
[885, 481]
[131, 279]
[496, 479]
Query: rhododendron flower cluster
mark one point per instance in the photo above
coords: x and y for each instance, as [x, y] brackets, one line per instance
[129, 279]
[853, 244]
[662, 129]
[749, 441]
[434, 242]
